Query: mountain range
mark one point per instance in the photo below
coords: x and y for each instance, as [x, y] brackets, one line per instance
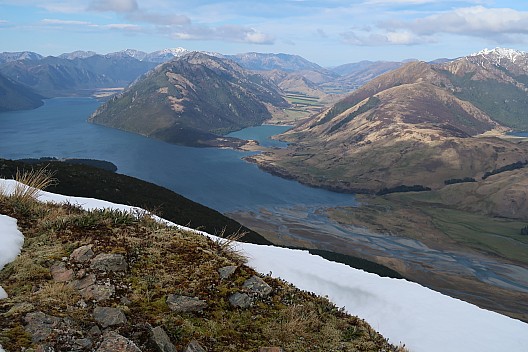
[422, 124]
[83, 73]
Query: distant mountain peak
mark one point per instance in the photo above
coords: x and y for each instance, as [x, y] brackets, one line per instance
[500, 53]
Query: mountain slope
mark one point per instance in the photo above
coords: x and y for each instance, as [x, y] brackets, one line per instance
[14, 96]
[191, 100]
[54, 76]
[416, 125]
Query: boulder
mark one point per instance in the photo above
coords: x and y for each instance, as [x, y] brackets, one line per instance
[227, 271]
[113, 342]
[98, 292]
[194, 346]
[41, 325]
[161, 340]
[60, 273]
[109, 262]
[84, 282]
[256, 285]
[82, 254]
[240, 300]
[185, 304]
[108, 316]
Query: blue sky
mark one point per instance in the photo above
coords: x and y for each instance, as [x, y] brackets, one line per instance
[328, 32]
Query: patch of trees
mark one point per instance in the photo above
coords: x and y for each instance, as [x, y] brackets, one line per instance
[452, 181]
[403, 188]
[509, 167]
[524, 231]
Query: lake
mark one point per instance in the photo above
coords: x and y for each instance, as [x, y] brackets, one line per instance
[218, 178]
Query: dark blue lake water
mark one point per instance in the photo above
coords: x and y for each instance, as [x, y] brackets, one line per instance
[218, 178]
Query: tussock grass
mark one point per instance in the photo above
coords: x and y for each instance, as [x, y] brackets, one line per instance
[31, 182]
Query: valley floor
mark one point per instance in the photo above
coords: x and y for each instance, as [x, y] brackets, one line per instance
[410, 242]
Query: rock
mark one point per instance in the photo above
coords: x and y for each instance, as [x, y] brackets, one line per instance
[109, 262]
[41, 325]
[98, 292]
[161, 340]
[95, 331]
[227, 271]
[107, 316]
[82, 254]
[113, 342]
[82, 344]
[256, 285]
[240, 300]
[184, 304]
[60, 273]
[84, 282]
[194, 346]
[270, 349]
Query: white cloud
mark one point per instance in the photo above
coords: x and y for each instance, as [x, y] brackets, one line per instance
[63, 22]
[230, 33]
[122, 26]
[158, 18]
[388, 38]
[121, 6]
[475, 21]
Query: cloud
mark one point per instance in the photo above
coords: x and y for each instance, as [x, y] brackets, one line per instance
[388, 38]
[158, 18]
[61, 22]
[230, 33]
[120, 6]
[475, 21]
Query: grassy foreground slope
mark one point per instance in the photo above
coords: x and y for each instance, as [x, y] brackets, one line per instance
[170, 290]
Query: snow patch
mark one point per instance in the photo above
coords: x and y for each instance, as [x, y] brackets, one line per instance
[11, 241]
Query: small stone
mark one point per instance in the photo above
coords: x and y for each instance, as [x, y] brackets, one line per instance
[227, 271]
[44, 348]
[256, 285]
[240, 300]
[113, 342]
[84, 282]
[270, 349]
[83, 344]
[161, 340]
[95, 331]
[98, 292]
[125, 301]
[194, 346]
[109, 262]
[184, 304]
[82, 254]
[60, 273]
[80, 274]
[108, 316]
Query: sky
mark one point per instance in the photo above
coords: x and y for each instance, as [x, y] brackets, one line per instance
[330, 33]
[403, 311]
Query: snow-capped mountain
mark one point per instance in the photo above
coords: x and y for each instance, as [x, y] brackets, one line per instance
[501, 53]
[135, 54]
[79, 54]
[166, 54]
[21, 55]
